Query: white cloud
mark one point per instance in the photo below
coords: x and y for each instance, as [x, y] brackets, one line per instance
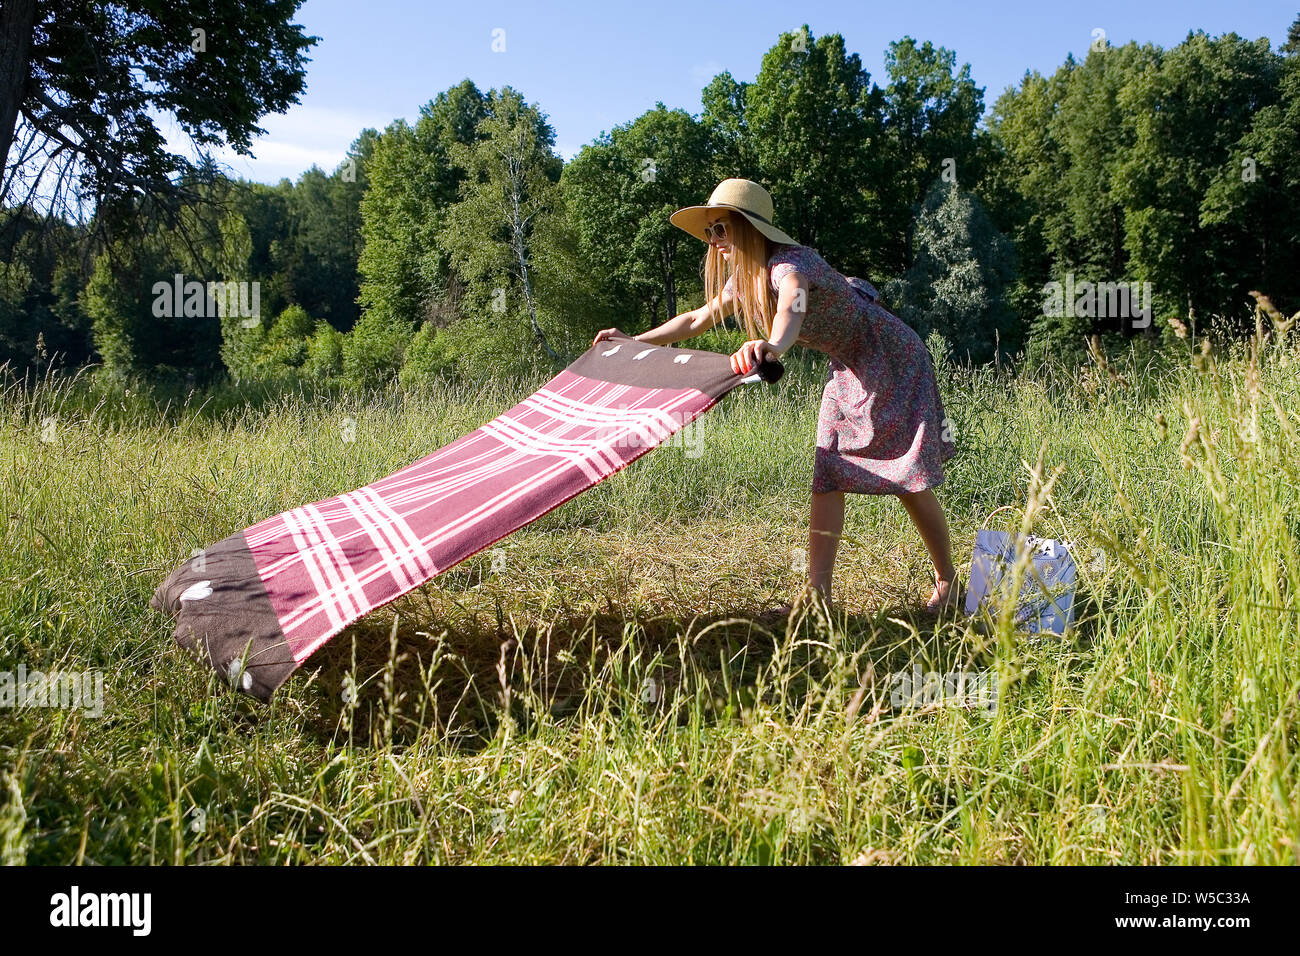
[293, 142]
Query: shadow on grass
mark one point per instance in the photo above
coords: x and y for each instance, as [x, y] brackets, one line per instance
[458, 676]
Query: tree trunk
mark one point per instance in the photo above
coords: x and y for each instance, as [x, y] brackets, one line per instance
[17, 18]
[517, 229]
[670, 279]
[538, 334]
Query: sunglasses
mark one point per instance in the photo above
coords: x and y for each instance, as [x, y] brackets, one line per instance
[716, 232]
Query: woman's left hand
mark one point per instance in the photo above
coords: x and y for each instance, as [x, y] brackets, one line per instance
[752, 354]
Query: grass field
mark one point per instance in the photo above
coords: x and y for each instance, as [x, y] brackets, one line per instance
[597, 691]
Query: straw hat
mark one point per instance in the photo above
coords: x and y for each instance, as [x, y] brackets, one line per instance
[739, 195]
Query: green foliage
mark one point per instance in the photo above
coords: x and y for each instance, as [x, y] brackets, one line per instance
[41, 278]
[116, 317]
[242, 347]
[424, 358]
[510, 185]
[130, 290]
[285, 346]
[961, 269]
[929, 113]
[292, 324]
[295, 345]
[573, 297]
[17, 328]
[324, 353]
[1177, 167]
[372, 351]
[626, 184]
[103, 75]
[306, 236]
[142, 321]
[732, 148]
[405, 276]
[1209, 184]
[486, 346]
[813, 123]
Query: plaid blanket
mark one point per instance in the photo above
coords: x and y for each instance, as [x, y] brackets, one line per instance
[260, 602]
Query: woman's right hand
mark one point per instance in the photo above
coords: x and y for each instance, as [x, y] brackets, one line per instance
[606, 334]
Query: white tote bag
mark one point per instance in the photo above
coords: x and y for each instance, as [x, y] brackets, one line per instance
[1046, 599]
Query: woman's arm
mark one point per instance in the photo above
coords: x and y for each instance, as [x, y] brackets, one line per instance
[674, 330]
[690, 324]
[791, 305]
[684, 326]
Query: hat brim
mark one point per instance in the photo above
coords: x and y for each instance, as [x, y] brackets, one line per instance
[694, 219]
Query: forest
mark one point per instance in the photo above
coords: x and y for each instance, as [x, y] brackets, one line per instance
[462, 243]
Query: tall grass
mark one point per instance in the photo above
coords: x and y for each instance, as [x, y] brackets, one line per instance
[598, 689]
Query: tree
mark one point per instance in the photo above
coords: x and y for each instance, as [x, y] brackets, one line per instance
[82, 83]
[1253, 201]
[268, 212]
[405, 273]
[143, 324]
[732, 146]
[327, 231]
[1179, 168]
[573, 297]
[1196, 115]
[1064, 140]
[621, 191]
[510, 182]
[129, 337]
[42, 278]
[307, 236]
[962, 267]
[1292, 44]
[930, 110]
[812, 116]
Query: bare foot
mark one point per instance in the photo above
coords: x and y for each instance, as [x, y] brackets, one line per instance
[946, 594]
[775, 615]
[821, 597]
[782, 613]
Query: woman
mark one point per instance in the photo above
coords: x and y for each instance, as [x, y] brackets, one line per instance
[881, 428]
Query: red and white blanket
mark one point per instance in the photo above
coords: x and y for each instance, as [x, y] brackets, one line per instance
[261, 601]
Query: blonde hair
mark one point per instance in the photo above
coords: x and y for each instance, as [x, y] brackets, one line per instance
[750, 250]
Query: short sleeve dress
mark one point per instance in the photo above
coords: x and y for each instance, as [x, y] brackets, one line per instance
[881, 428]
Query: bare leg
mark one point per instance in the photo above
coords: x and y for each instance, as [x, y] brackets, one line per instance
[824, 528]
[927, 514]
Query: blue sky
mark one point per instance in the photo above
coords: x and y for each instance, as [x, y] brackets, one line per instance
[593, 65]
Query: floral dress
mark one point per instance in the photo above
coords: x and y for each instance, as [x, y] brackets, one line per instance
[881, 428]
